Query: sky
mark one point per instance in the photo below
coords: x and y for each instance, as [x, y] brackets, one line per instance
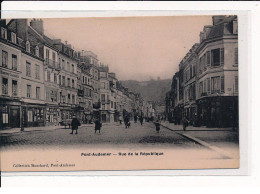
[135, 48]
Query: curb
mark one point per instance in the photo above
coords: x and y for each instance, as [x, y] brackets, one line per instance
[225, 154]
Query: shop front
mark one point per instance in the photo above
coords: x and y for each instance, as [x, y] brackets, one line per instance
[52, 115]
[33, 115]
[10, 111]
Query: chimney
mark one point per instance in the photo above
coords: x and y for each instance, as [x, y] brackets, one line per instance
[2, 23]
[22, 29]
[37, 25]
[217, 19]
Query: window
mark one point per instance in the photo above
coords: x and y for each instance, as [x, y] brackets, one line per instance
[3, 33]
[55, 78]
[111, 104]
[236, 56]
[14, 62]
[222, 56]
[205, 86]
[59, 79]
[37, 71]
[30, 116]
[4, 59]
[208, 58]
[63, 64]
[68, 98]
[28, 69]
[235, 31]
[236, 84]
[5, 86]
[208, 84]
[38, 93]
[222, 84]
[37, 51]
[73, 99]
[103, 97]
[13, 37]
[215, 57]
[53, 58]
[72, 69]
[47, 54]
[29, 91]
[73, 83]
[68, 80]
[68, 66]
[215, 84]
[14, 88]
[48, 76]
[63, 80]
[27, 46]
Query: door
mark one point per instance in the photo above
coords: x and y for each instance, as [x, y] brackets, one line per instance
[14, 117]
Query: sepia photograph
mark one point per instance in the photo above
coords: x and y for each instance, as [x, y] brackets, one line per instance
[119, 93]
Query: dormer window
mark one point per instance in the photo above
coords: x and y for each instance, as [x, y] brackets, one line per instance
[27, 46]
[3, 33]
[13, 37]
[37, 51]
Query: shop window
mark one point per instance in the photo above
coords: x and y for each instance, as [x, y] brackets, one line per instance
[4, 59]
[5, 118]
[30, 116]
[14, 87]
[14, 62]
[29, 91]
[5, 86]
[28, 69]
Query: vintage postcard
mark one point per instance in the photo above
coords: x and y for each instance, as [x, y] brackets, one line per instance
[119, 93]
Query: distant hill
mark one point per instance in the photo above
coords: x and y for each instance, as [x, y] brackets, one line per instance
[153, 90]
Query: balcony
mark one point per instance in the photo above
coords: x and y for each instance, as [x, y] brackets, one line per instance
[80, 93]
[52, 64]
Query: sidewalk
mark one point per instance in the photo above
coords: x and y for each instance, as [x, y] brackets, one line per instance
[222, 140]
[173, 127]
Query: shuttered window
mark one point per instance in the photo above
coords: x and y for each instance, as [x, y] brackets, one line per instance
[236, 56]
[208, 84]
[222, 84]
[222, 56]
[236, 83]
[208, 58]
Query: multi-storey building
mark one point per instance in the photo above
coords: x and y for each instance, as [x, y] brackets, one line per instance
[212, 67]
[190, 65]
[67, 79]
[114, 108]
[217, 78]
[10, 77]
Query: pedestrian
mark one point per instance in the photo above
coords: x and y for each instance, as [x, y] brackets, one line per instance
[127, 122]
[74, 124]
[98, 125]
[185, 123]
[141, 120]
[157, 126]
[135, 118]
[120, 119]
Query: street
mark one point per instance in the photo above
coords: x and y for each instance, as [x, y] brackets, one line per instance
[112, 135]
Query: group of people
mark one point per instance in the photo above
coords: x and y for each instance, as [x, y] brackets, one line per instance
[75, 125]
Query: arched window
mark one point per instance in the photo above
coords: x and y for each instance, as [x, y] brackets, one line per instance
[37, 51]
[27, 46]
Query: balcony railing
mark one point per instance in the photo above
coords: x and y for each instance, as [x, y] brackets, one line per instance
[52, 64]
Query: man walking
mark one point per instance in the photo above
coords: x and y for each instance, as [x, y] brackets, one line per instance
[74, 124]
[141, 120]
[98, 125]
